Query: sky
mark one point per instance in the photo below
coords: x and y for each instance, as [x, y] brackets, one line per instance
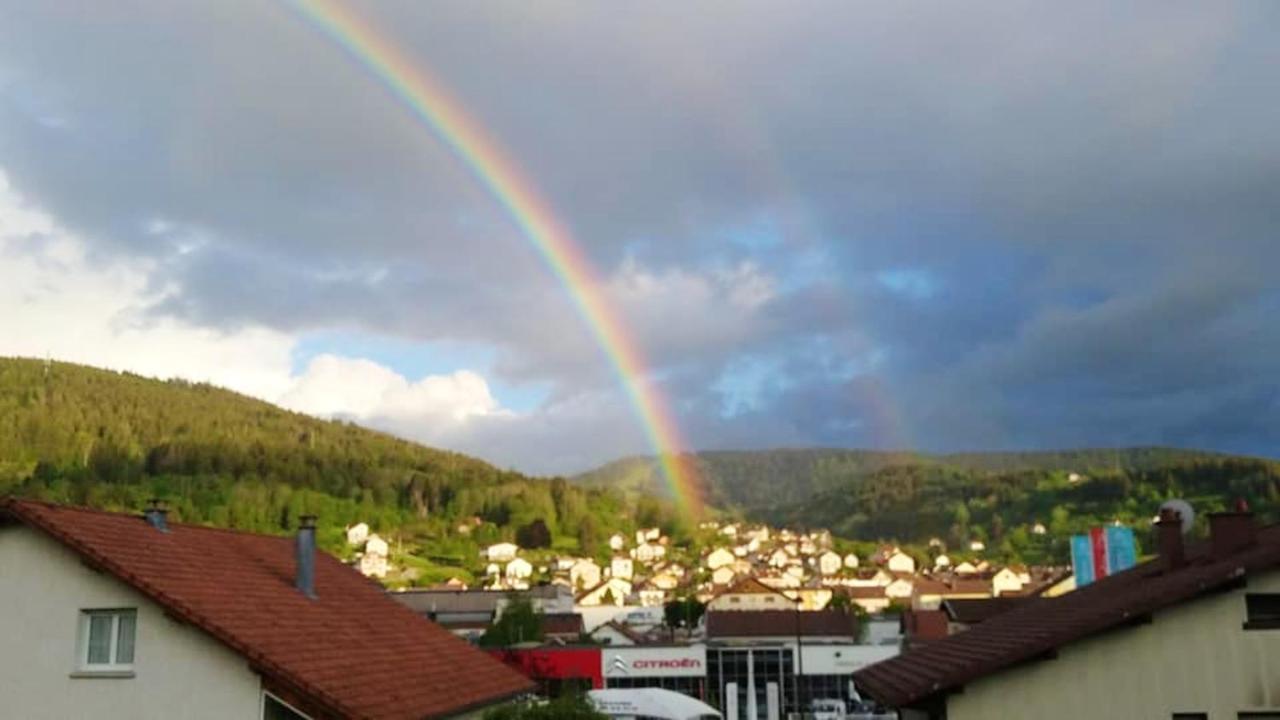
[937, 226]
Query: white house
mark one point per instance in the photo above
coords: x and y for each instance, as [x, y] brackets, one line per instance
[941, 562]
[622, 567]
[966, 568]
[649, 552]
[723, 575]
[375, 545]
[357, 534]
[648, 535]
[718, 558]
[372, 565]
[901, 562]
[584, 574]
[779, 558]
[617, 541]
[749, 594]
[519, 569]
[1005, 582]
[977, 546]
[114, 616]
[829, 563]
[851, 561]
[1190, 634]
[501, 552]
[899, 589]
[613, 591]
[665, 581]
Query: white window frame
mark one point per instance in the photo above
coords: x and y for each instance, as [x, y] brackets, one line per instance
[262, 713]
[82, 651]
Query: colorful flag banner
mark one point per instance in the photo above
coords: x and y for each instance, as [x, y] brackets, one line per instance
[1082, 559]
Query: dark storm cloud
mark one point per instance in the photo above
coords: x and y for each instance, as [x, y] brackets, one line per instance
[1082, 201]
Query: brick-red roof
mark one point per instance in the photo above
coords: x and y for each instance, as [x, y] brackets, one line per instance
[352, 652]
[779, 623]
[1038, 628]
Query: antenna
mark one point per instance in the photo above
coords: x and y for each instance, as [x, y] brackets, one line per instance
[1184, 510]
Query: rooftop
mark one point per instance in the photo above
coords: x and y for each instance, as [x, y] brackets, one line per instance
[350, 651]
[1037, 629]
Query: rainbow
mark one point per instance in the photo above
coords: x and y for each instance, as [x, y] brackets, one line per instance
[432, 106]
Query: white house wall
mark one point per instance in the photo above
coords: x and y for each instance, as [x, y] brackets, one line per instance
[180, 673]
[1194, 657]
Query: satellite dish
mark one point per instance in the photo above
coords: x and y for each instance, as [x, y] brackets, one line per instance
[1183, 508]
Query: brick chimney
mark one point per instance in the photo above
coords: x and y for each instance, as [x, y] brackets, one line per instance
[306, 556]
[1232, 531]
[1169, 539]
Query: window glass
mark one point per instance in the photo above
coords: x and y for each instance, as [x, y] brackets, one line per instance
[273, 709]
[1263, 606]
[99, 639]
[126, 627]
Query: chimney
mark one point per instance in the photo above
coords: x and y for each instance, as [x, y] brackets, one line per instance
[1169, 539]
[1232, 531]
[306, 556]
[156, 515]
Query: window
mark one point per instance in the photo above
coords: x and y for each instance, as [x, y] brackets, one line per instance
[274, 708]
[107, 639]
[1263, 611]
[1190, 716]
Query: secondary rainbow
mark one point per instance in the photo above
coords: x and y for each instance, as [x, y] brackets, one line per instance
[430, 104]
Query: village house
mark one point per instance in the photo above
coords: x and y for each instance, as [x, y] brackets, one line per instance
[357, 534]
[779, 558]
[829, 563]
[1006, 581]
[375, 545]
[649, 552]
[502, 552]
[617, 541]
[622, 567]
[518, 569]
[871, 599]
[584, 573]
[614, 591]
[851, 561]
[900, 562]
[372, 565]
[718, 558]
[723, 575]
[811, 599]
[123, 617]
[749, 594]
[648, 535]
[1189, 634]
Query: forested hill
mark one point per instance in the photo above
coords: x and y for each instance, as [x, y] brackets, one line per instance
[76, 434]
[749, 479]
[997, 498]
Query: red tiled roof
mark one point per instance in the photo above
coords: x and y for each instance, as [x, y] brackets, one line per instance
[352, 652]
[1040, 627]
[860, 592]
[779, 623]
[562, 624]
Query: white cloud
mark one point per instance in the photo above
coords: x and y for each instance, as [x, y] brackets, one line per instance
[59, 300]
[338, 386]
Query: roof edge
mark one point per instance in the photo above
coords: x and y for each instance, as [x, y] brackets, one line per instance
[16, 508]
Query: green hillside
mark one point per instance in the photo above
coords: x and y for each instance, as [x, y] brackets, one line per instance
[81, 435]
[995, 498]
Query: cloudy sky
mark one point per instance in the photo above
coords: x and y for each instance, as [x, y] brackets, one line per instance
[942, 226]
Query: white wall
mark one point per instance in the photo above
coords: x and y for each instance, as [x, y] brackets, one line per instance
[180, 673]
[1192, 658]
